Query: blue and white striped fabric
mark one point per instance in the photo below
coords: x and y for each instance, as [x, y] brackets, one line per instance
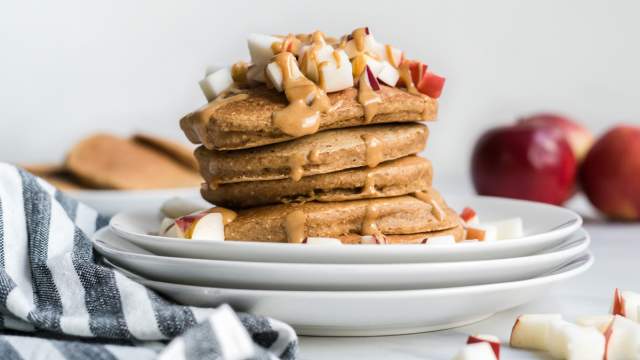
[57, 301]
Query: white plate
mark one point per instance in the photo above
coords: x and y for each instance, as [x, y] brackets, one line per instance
[544, 226]
[109, 202]
[368, 313]
[334, 277]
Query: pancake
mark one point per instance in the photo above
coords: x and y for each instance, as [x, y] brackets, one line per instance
[179, 152]
[321, 153]
[110, 162]
[457, 232]
[403, 215]
[393, 178]
[248, 123]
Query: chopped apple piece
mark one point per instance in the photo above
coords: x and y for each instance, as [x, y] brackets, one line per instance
[360, 62]
[417, 70]
[490, 339]
[622, 339]
[440, 240]
[482, 232]
[626, 303]
[321, 241]
[177, 207]
[313, 56]
[255, 74]
[508, 228]
[336, 73]
[389, 74]
[260, 48]
[369, 45]
[532, 331]
[431, 85]
[469, 216]
[274, 73]
[388, 53]
[476, 351]
[216, 83]
[573, 342]
[208, 227]
[600, 322]
[377, 239]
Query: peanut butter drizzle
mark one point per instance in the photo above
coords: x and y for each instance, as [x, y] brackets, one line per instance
[336, 57]
[239, 72]
[314, 156]
[369, 187]
[296, 163]
[295, 226]
[298, 118]
[369, 99]
[436, 210]
[389, 51]
[227, 215]
[195, 124]
[369, 226]
[289, 43]
[358, 37]
[373, 150]
[405, 76]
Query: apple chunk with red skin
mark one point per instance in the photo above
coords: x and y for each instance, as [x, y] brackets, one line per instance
[579, 137]
[611, 171]
[524, 162]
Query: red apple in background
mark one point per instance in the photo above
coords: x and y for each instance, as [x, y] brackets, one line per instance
[580, 139]
[525, 162]
[610, 174]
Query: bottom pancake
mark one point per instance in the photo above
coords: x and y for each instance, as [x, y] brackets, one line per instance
[402, 215]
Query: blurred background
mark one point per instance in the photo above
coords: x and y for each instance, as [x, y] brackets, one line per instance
[69, 68]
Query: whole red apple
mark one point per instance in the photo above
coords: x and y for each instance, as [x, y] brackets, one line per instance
[580, 138]
[524, 162]
[610, 174]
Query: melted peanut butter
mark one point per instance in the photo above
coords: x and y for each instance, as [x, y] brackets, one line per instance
[389, 51]
[369, 226]
[289, 43]
[227, 215]
[436, 210]
[239, 72]
[299, 119]
[358, 37]
[369, 99]
[369, 187]
[296, 165]
[295, 226]
[195, 124]
[336, 57]
[314, 156]
[373, 150]
[405, 76]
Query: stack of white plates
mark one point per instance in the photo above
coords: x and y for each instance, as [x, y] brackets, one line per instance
[351, 290]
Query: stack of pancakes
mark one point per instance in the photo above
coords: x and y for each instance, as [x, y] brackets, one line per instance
[353, 179]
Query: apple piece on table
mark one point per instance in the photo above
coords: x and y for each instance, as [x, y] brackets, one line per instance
[508, 228]
[626, 303]
[476, 351]
[573, 342]
[532, 331]
[216, 83]
[622, 339]
[600, 322]
[490, 339]
[208, 227]
[260, 47]
[337, 73]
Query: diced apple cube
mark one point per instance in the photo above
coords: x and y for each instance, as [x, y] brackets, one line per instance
[476, 351]
[532, 331]
[322, 241]
[274, 73]
[431, 85]
[209, 227]
[260, 48]
[622, 339]
[573, 342]
[389, 74]
[490, 339]
[600, 322]
[441, 240]
[337, 75]
[508, 228]
[216, 83]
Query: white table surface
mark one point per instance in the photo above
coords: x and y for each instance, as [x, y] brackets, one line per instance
[616, 247]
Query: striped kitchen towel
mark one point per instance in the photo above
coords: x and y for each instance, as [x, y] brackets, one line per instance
[58, 301]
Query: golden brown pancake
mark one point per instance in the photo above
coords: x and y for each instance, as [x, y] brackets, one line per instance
[247, 123]
[110, 162]
[321, 153]
[403, 215]
[457, 232]
[393, 178]
[181, 153]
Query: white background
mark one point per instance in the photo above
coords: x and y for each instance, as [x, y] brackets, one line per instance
[69, 68]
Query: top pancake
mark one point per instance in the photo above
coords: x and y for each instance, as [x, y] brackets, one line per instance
[247, 123]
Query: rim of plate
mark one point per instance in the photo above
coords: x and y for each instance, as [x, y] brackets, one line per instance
[582, 241]
[182, 191]
[559, 230]
[566, 271]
